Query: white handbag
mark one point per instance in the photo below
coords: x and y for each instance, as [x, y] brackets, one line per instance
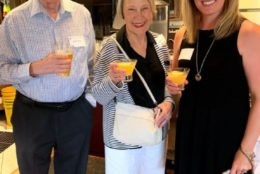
[133, 124]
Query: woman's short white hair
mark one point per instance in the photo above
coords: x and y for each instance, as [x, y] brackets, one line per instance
[119, 18]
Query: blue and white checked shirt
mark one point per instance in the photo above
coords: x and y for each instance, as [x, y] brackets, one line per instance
[28, 34]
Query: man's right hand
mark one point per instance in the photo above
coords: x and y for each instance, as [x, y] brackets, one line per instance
[53, 63]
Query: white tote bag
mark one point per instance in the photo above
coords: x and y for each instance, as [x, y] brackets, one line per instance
[135, 125]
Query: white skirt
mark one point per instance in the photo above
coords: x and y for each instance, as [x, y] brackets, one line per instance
[150, 159]
[257, 158]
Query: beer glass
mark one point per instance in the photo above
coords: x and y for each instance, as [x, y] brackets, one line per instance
[63, 47]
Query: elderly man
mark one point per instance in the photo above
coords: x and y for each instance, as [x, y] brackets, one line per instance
[50, 109]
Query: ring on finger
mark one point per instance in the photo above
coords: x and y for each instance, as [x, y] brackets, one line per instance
[243, 172]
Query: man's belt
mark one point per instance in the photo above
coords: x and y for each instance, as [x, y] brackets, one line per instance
[59, 106]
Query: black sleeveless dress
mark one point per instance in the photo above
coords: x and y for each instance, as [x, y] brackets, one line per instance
[213, 112]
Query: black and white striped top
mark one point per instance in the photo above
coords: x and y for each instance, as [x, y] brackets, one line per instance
[106, 93]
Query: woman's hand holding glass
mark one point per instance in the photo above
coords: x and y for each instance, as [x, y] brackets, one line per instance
[174, 88]
[115, 74]
[176, 80]
[122, 69]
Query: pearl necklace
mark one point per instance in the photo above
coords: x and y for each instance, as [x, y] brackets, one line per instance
[198, 76]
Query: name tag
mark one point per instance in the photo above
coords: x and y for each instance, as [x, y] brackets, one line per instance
[77, 41]
[186, 53]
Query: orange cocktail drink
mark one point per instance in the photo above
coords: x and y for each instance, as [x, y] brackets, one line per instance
[178, 76]
[128, 66]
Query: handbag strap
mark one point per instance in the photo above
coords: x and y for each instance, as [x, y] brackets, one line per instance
[138, 73]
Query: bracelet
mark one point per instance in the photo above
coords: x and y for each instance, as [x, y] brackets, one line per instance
[171, 101]
[249, 156]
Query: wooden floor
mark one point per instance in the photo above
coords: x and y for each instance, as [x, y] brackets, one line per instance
[97, 166]
[169, 172]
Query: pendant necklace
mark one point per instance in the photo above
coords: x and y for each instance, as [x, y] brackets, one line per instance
[198, 76]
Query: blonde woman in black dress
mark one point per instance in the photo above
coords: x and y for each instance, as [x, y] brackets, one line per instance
[216, 128]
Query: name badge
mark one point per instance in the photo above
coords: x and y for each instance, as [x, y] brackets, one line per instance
[77, 41]
[186, 53]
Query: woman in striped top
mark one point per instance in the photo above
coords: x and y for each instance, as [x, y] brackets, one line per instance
[150, 50]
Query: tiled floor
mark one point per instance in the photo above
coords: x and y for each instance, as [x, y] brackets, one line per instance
[6, 140]
[8, 162]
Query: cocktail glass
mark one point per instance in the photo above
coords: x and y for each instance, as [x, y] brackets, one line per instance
[179, 75]
[128, 66]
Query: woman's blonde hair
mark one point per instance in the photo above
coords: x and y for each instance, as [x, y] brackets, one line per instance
[151, 2]
[228, 22]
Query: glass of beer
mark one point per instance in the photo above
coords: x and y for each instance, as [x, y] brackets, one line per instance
[178, 75]
[63, 47]
[128, 66]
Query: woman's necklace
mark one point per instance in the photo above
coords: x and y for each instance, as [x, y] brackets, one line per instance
[198, 76]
